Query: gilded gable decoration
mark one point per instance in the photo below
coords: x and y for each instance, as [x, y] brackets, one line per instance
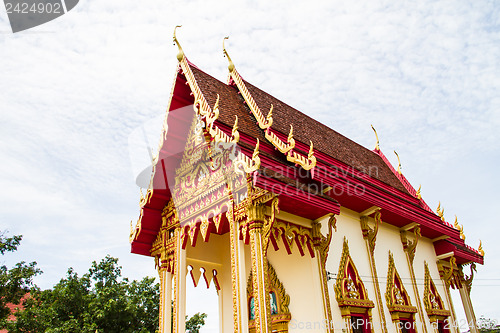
[279, 302]
[306, 162]
[350, 291]
[396, 296]
[433, 302]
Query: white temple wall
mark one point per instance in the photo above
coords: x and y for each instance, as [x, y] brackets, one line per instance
[299, 275]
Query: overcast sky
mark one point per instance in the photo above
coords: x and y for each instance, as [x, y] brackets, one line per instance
[426, 74]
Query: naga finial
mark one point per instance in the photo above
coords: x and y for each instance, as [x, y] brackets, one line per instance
[462, 235]
[234, 133]
[456, 223]
[418, 194]
[180, 55]
[231, 64]
[399, 162]
[440, 211]
[256, 150]
[480, 248]
[311, 154]
[290, 134]
[269, 118]
[377, 146]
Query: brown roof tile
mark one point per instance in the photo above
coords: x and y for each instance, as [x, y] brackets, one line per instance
[305, 128]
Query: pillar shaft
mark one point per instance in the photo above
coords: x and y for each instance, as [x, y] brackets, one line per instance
[469, 310]
[259, 268]
[165, 300]
[179, 286]
[238, 277]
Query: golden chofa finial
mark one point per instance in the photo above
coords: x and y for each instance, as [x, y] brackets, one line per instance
[231, 64]
[418, 194]
[399, 162]
[462, 235]
[180, 55]
[456, 223]
[480, 248]
[440, 211]
[377, 146]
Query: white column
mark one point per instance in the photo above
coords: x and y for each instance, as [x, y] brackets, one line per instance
[181, 289]
[180, 286]
[167, 302]
[469, 310]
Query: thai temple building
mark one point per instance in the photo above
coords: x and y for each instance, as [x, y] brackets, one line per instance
[298, 228]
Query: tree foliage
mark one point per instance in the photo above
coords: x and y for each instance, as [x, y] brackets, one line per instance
[16, 281]
[99, 301]
[194, 324]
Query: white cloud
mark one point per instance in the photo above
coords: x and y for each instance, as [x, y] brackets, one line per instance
[426, 74]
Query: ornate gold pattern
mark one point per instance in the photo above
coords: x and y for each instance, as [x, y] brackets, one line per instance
[249, 165]
[349, 289]
[479, 249]
[322, 245]
[279, 321]
[440, 212]
[396, 296]
[370, 236]
[432, 300]
[459, 228]
[235, 274]
[418, 194]
[291, 234]
[265, 123]
[410, 247]
[467, 280]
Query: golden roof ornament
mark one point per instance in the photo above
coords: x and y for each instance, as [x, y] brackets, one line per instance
[440, 211]
[269, 118]
[456, 223]
[180, 55]
[291, 140]
[480, 248]
[310, 155]
[234, 133]
[462, 235]
[377, 146]
[231, 64]
[399, 162]
[418, 194]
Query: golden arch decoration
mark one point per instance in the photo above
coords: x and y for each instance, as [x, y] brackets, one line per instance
[434, 305]
[279, 302]
[397, 298]
[350, 292]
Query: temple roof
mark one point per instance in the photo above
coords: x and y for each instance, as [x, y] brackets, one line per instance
[305, 128]
[315, 147]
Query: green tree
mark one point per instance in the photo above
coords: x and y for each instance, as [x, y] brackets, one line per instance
[99, 301]
[16, 281]
[194, 323]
